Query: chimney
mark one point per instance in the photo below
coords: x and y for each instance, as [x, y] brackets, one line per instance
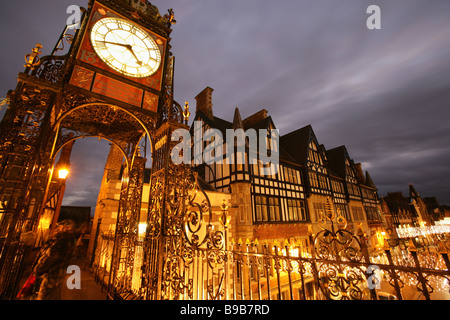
[204, 102]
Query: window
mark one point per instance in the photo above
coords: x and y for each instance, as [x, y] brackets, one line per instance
[323, 181]
[274, 209]
[357, 213]
[351, 176]
[261, 208]
[290, 175]
[314, 155]
[313, 179]
[343, 210]
[296, 210]
[354, 190]
[267, 209]
[337, 186]
[319, 210]
[372, 213]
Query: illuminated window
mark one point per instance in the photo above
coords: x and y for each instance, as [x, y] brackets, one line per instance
[296, 210]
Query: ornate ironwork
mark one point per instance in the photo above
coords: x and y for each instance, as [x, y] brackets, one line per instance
[32, 59]
[45, 113]
[126, 234]
[186, 251]
[51, 68]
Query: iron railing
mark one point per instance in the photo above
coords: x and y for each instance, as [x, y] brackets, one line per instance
[289, 271]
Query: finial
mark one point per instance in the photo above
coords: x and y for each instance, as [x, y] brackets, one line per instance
[170, 17]
[32, 59]
[186, 113]
[360, 231]
[224, 218]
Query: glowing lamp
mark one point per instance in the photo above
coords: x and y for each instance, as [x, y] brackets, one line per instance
[63, 173]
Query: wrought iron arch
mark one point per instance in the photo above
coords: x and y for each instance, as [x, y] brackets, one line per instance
[148, 131]
[85, 136]
[108, 129]
[85, 105]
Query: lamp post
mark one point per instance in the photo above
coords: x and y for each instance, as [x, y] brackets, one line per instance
[63, 173]
[57, 184]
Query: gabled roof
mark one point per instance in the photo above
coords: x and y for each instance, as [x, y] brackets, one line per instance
[396, 202]
[216, 122]
[296, 143]
[261, 124]
[223, 125]
[413, 192]
[369, 181]
[336, 160]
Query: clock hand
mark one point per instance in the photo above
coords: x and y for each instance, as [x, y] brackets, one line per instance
[132, 52]
[127, 46]
[117, 44]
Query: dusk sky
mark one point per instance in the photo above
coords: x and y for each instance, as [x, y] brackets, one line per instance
[384, 94]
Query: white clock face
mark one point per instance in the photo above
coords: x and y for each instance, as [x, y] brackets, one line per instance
[125, 47]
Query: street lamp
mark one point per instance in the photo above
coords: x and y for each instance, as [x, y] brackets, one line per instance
[63, 173]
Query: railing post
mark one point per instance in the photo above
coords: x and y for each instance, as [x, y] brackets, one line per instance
[249, 269]
[289, 269]
[302, 270]
[365, 252]
[277, 260]
[258, 276]
[421, 278]
[444, 253]
[313, 263]
[267, 262]
[394, 274]
[447, 262]
[240, 265]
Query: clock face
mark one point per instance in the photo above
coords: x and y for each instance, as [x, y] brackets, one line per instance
[125, 47]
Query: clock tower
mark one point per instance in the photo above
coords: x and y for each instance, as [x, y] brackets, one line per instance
[112, 79]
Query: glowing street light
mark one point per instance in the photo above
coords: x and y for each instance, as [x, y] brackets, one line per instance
[63, 173]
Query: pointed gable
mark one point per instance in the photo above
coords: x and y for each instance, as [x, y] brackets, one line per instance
[340, 162]
[296, 143]
[336, 160]
[413, 192]
[237, 120]
[369, 181]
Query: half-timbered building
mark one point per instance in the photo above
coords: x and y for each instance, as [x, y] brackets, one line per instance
[290, 203]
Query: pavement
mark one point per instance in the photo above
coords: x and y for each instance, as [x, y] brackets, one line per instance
[89, 289]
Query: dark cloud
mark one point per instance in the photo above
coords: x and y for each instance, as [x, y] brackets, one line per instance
[385, 93]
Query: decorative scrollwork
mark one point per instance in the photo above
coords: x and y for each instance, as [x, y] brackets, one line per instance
[154, 222]
[340, 283]
[339, 245]
[51, 68]
[173, 268]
